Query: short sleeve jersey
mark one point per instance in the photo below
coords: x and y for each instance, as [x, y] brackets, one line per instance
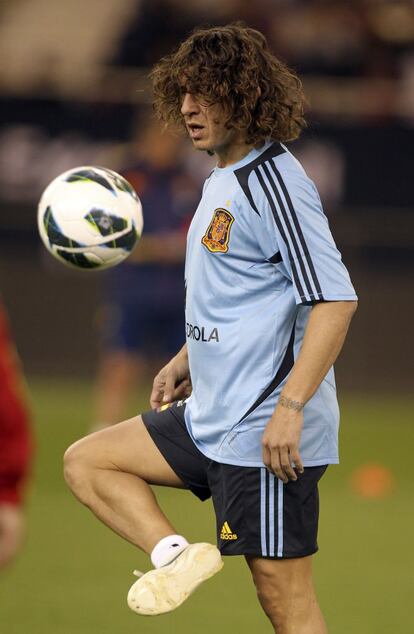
[259, 254]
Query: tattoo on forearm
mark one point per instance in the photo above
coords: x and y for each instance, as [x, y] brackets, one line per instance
[289, 403]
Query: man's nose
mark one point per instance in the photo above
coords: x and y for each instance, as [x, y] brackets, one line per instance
[189, 105]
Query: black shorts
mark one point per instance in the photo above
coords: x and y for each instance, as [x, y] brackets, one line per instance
[256, 514]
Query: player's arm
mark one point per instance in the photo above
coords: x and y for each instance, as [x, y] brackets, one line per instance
[172, 381]
[293, 226]
[324, 337]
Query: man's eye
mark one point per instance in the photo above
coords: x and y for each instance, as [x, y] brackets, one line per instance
[203, 101]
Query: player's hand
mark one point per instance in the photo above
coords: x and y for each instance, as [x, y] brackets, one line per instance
[172, 381]
[11, 532]
[280, 443]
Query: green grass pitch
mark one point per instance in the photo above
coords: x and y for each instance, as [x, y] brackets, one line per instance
[74, 573]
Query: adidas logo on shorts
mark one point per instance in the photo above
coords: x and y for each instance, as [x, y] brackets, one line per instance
[227, 533]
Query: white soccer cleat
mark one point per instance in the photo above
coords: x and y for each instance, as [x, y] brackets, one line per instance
[164, 589]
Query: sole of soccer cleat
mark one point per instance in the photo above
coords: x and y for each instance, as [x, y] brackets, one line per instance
[164, 589]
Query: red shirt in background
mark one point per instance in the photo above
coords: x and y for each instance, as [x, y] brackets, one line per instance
[15, 436]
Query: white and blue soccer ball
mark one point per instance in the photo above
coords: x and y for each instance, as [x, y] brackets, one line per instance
[90, 218]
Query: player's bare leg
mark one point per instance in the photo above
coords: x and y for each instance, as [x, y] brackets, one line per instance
[110, 471]
[287, 594]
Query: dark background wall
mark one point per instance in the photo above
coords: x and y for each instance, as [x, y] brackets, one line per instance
[66, 105]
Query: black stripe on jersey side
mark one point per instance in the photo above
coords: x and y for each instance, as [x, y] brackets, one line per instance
[282, 233]
[283, 370]
[206, 182]
[298, 229]
[276, 258]
[243, 173]
[295, 243]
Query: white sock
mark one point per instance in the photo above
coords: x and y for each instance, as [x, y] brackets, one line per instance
[168, 549]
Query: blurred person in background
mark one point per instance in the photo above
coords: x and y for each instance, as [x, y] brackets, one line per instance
[15, 447]
[141, 319]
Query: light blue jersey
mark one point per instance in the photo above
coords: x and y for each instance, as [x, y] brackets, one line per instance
[259, 253]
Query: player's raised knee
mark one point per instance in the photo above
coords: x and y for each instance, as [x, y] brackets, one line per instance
[77, 469]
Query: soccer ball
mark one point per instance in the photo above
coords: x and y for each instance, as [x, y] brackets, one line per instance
[90, 218]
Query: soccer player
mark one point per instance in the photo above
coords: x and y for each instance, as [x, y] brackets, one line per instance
[268, 305]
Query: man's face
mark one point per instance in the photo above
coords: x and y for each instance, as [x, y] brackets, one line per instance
[206, 124]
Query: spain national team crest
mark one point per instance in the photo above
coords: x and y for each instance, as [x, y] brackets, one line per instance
[217, 236]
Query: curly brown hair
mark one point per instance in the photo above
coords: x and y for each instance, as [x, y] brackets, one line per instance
[233, 66]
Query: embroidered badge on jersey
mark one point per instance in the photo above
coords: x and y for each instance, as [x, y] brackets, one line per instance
[217, 236]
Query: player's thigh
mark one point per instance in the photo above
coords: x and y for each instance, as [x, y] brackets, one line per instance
[281, 578]
[126, 447]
